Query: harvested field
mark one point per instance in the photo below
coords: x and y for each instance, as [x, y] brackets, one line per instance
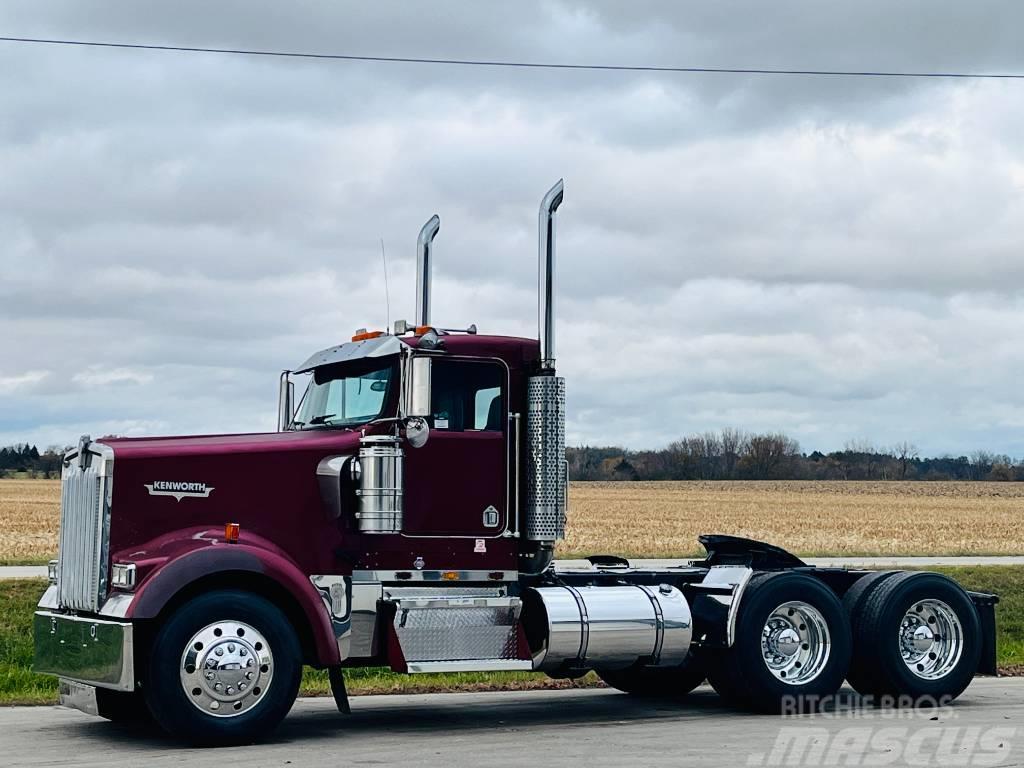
[29, 516]
[663, 519]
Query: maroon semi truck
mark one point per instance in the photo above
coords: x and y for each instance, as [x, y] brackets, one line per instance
[405, 515]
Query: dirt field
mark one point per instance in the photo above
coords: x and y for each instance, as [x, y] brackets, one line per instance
[663, 519]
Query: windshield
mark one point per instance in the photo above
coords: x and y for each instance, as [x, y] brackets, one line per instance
[344, 395]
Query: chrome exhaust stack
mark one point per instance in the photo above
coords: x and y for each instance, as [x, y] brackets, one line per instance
[546, 276]
[546, 476]
[424, 252]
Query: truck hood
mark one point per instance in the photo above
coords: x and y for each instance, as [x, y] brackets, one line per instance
[166, 484]
[134, 448]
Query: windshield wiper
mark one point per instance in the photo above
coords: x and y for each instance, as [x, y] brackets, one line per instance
[321, 419]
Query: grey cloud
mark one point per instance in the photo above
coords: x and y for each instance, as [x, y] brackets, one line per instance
[836, 258]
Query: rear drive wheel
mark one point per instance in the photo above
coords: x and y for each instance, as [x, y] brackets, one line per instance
[916, 635]
[861, 668]
[224, 669]
[658, 681]
[791, 647]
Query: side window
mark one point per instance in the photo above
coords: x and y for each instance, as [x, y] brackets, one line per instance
[468, 396]
[488, 403]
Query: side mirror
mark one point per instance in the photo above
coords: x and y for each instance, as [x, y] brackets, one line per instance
[285, 400]
[416, 431]
[417, 388]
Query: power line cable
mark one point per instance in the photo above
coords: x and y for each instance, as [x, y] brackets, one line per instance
[523, 64]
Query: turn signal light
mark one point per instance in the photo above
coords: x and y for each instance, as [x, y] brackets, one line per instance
[231, 531]
[367, 335]
[122, 576]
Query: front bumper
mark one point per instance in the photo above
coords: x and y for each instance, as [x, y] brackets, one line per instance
[97, 652]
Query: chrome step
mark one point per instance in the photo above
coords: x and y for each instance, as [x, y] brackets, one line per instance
[471, 665]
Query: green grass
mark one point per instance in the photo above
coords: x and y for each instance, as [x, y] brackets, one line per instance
[369, 680]
[25, 561]
[1008, 582]
[19, 685]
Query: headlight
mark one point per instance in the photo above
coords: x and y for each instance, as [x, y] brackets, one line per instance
[122, 576]
[51, 571]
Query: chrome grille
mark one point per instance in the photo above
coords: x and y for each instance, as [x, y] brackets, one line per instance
[84, 528]
[546, 472]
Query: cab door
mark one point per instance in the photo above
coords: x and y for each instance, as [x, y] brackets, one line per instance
[456, 484]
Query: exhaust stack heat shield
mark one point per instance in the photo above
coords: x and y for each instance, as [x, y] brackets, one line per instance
[546, 481]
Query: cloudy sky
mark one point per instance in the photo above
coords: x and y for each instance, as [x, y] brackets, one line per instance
[837, 258]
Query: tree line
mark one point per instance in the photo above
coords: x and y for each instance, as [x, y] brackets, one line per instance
[732, 454]
[729, 454]
[23, 458]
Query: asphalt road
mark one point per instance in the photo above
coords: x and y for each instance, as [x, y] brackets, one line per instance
[552, 729]
[39, 571]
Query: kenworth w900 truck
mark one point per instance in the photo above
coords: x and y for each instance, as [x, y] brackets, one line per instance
[405, 515]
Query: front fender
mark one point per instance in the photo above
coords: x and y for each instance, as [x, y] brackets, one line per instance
[204, 559]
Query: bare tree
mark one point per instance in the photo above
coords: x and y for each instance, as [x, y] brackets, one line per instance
[981, 464]
[905, 452]
[767, 454]
[734, 444]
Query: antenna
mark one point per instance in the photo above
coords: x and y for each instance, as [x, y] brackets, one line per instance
[387, 293]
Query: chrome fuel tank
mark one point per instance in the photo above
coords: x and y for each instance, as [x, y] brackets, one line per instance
[606, 627]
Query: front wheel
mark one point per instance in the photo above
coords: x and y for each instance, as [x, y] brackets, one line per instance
[791, 648]
[224, 669]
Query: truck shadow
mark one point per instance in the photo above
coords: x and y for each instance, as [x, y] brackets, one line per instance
[511, 711]
[317, 719]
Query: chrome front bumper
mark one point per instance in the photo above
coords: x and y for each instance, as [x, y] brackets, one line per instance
[97, 652]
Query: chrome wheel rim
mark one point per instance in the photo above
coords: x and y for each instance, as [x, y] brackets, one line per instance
[226, 668]
[931, 639]
[795, 643]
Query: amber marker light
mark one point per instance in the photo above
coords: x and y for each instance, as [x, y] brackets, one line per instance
[450, 576]
[367, 335]
[231, 531]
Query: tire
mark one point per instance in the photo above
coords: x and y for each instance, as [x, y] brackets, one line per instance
[658, 681]
[122, 707]
[860, 674]
[810, 646]
[258, 684]
[886, 615]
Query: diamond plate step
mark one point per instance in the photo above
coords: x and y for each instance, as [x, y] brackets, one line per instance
[472, 632]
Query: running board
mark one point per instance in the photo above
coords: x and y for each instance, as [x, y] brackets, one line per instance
[471, 665]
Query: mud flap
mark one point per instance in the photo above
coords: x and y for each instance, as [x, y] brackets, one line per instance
[337, 678]
[986, 605]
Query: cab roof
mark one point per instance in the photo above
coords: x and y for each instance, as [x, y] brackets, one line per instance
[514, 350]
